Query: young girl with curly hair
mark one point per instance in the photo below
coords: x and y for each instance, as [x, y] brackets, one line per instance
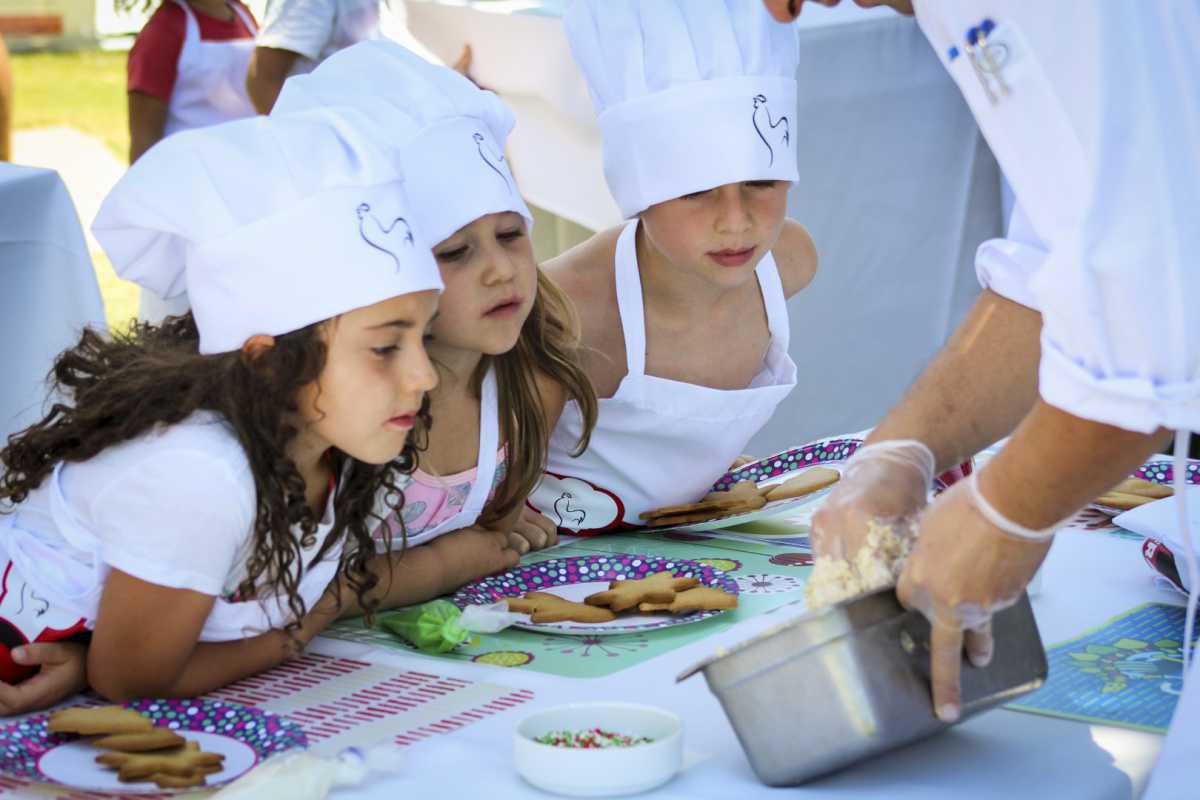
[200, 484]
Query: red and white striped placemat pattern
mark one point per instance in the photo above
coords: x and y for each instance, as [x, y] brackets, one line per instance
[341, 702]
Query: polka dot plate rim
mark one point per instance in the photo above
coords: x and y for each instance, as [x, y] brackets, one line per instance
[830, 452]
[1156, 470]
[575, 577]
[27, 744]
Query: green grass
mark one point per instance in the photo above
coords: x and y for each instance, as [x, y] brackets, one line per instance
[86, 91]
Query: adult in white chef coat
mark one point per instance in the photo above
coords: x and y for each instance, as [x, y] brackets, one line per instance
[1086, 340]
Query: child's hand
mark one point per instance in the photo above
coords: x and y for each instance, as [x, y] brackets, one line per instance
[63, 673]
[472, 553]
[533, 530]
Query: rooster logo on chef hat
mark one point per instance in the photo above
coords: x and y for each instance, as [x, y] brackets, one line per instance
[491, 157]
[766, 127]
[387, 238]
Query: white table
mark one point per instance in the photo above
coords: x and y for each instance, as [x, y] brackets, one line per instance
[48, 289]
[1088, 579]
[896, 186]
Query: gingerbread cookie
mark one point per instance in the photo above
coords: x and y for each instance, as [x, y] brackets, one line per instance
[806, 482]
[98, 720]
[701, 598]
[746, 490]
[660, 587]
[1123, 500]
[546, 607]
[187, 761]
[157, 739]
[724, 505]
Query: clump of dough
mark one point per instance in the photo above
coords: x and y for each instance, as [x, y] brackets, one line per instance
[876, 565]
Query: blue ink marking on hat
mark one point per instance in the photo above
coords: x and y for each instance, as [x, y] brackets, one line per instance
[491, 158]
[387, 239]
[763, 122]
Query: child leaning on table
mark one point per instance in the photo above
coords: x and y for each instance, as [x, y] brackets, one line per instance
[683, 308]
[505, 341]
[202, 482]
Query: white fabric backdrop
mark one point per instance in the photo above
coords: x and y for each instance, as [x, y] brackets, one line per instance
[48, 289]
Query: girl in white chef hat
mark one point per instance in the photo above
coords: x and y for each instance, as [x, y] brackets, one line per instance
[683, 308]
[505, 341]
[200, 484]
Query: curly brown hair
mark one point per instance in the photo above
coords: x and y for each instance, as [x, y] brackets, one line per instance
[114, 389]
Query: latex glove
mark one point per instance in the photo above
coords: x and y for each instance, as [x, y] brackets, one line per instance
[887, 482]
[63, 673]
[533, 531]
[963, 569]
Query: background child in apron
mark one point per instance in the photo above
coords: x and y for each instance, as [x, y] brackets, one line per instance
[505, 339]
[210, 478]
[297, 35]
[683, 309]
[187, 69]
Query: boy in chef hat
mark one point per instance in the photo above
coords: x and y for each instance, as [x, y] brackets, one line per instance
[683, 307]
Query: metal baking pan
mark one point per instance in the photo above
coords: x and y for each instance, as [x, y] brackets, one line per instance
[834, 687]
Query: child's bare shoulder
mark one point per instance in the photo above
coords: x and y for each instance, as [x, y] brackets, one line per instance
[795, 256]
[585, 273]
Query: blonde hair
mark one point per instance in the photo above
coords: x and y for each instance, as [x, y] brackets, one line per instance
[549, 344]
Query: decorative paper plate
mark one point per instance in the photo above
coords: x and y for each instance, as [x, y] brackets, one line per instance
[578, 577]
[243, 734]
[829, 453]
[1162, 472]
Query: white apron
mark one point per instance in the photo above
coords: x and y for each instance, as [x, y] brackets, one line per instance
[659, 442]
[210, 80]
[485, 472]
[210, 88]
[69, 587]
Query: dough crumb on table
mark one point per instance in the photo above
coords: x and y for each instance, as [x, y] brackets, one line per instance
[876, 565]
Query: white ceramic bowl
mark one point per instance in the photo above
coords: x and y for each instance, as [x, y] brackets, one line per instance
[600, 772]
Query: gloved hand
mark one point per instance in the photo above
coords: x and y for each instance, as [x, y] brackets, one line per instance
[886, 482]
[969, 562]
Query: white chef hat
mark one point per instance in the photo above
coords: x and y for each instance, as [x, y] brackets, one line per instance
[690, 94]
[268, 224]
[446, 133]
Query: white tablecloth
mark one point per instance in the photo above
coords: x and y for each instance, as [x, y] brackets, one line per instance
[1002, 754]
[48, 289]
[896, 186]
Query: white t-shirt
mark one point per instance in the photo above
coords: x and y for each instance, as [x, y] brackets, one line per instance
[316, 29]
[174, 507]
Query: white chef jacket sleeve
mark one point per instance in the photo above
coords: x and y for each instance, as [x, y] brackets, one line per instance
[301, 26]
[1120, 289]
[1006, 265]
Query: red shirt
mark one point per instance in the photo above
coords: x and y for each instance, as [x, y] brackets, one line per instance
[154, 59]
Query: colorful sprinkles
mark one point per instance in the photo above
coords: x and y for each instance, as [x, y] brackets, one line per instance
[590, 739]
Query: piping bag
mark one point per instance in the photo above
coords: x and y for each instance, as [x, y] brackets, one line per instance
[305, 775]
[437, 627]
